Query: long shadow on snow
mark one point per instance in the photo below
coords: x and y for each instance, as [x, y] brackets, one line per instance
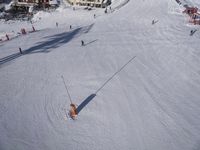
[85, 102]
[91, 42]
[54, 41]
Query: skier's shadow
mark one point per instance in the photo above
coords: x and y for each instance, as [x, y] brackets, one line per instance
[85, 102]
[91, 42]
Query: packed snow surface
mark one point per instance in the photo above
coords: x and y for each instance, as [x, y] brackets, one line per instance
[152, 104]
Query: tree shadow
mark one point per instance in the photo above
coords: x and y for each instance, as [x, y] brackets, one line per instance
[54, 41]
[85, 102]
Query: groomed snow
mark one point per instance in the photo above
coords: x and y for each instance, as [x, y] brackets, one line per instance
[153, 104]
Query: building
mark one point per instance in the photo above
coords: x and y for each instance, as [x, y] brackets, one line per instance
[92, 3]
[26, 2]
[32, 3]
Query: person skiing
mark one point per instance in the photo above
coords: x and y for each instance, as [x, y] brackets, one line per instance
[191, 32]
[195, 16]
[33, 28]
[56, 24]
[20, 50]
[82, 43]
[70, 26]
[153, 21]
[7, 37]
[105, 11]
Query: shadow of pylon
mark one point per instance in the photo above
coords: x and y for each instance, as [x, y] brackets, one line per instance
[85, 102]
[89, 98]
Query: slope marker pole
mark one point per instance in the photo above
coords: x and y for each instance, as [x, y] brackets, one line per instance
[115, 74]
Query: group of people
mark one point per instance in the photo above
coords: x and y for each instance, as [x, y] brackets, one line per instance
[106, 10]
[70, 26]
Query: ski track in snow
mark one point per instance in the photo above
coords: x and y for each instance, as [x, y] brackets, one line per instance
[152, 104]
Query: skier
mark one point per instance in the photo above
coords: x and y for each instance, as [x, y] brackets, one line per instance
[153, 22]
[56, 24]
[105, 11]
[33, 28]
[82, 43]
[70, 26]
[94, 15]
[191, 32]
[7, 37]
[195, 16]
[20, 50]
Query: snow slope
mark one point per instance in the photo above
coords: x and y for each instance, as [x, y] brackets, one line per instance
[154, 103]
